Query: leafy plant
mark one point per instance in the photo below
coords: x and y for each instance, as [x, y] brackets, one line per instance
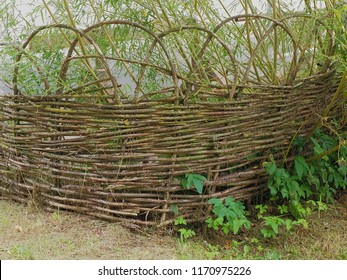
[230, 215]
[284, 184]
[185, 233]
[180, 221]
[273, 224]
[319, 205]
[318, 177]
[193, 180]
[329, 169]
[262, 209]
[304, 185]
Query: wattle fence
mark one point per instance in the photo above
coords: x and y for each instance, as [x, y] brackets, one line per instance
[94, 150]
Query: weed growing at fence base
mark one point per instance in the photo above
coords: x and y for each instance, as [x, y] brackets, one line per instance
[296, 190]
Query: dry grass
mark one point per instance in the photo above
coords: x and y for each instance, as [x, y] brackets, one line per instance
[32, 234]
[28, 233]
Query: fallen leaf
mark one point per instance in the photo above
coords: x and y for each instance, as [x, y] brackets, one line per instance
[18, 228]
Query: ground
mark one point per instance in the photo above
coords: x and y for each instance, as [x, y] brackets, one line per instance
[30, 233]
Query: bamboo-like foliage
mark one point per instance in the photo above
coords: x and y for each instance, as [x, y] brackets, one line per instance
[122, 110]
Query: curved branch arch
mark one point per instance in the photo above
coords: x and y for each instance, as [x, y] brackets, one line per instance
[64, 68]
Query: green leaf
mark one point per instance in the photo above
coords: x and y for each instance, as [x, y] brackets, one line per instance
[262, 209]
[297, 210]
[198, 177]
[198, 185]
[289, 224]
[301, 166]
[317, 148]
[184, 183]
[180, 221]
[229, 201]
[214, 223]
[267, 233]
[237, 208]
[299, 142]
[236, 225]
[273, 190]
[307, 190]
[225, 229]
[230, 215]
[186, 233]
[343, 171]
[222, 211]
[338, 180]
[195, 180]
[241, 222]
[274, 227]
[294, 189]
[284, 193]
[174, 209]
[274, 223]
[313, 180]
[270, 167]
[189, 179]
[301, 222]
[215, 201]
[283, 209]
